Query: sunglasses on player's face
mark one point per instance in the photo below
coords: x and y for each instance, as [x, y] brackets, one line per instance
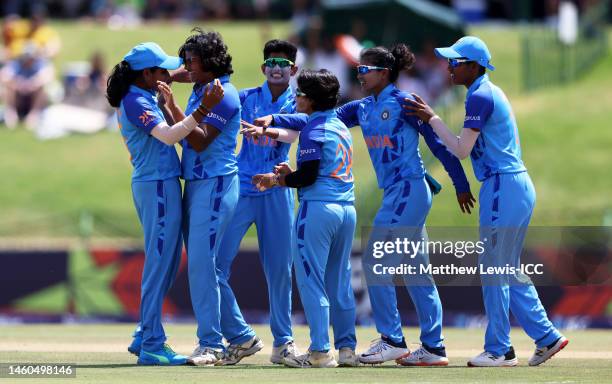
[454, 63]
[274, 61]
[298, 92]
[363, 69]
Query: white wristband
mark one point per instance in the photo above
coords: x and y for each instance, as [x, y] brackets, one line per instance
[189, 123]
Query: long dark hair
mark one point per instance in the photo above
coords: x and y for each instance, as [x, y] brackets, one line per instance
[119, 81]
[211, 50]
[399, 58]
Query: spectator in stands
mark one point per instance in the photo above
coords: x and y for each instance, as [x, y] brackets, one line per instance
[24, 81]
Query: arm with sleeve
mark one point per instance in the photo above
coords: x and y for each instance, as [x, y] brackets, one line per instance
[478, 109]
[310, 152]
[148, 117]
[449, 161]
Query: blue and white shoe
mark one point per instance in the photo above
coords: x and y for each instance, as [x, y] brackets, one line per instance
[381, 351]
[163, 356]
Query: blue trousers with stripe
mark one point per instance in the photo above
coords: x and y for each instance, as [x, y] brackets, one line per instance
[158, 204]
[207, 209]
[322, 265]
[272, 214]
[406, 204]
[506, 204]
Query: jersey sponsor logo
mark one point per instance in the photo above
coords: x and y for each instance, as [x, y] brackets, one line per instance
[378, 141]
[384, 115]
[146, 117]
[307, 151]
[472, 118]
[212, 115]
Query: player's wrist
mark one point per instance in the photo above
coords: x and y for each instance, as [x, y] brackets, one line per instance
[433, 118]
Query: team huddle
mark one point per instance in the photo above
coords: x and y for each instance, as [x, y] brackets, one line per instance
[224, 194]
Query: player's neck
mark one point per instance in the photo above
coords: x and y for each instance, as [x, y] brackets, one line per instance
[276, 90]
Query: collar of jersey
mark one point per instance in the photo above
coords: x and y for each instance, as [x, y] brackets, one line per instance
[281, 99]
[150, 94]
[327, 114]
[385, 93]
[476, 84]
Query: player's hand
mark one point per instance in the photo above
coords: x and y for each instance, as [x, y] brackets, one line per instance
[466, 201]
[250, 129]
[264, 121]
[418, 107]
[265, 181]
[213, 94]
[165, 92]
[282, 169]
[180, 75]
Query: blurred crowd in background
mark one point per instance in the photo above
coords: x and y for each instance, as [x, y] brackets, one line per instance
[29, 45]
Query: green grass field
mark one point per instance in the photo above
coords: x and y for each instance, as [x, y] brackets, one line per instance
[100, 355]
[564, 132]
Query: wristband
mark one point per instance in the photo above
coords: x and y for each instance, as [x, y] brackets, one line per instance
[203, 110]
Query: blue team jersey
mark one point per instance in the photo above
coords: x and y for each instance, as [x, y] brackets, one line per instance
[152, 160]
[327, 139]
[260, 155]
[497, 149]
[392, 138]
[219, 158]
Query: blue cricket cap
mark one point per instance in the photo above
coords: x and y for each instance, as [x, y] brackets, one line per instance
[469, 47]
[149, 55]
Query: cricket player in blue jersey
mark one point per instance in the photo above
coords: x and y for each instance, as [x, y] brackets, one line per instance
[392, 141]
[271, 211]
[211, 185]
[325, 222]
[507, 197]
[132, 88]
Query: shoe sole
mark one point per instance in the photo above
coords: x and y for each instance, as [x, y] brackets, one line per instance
[513, 363]
[383, 361]
[422, 364]
[566, 342]
[157, 363]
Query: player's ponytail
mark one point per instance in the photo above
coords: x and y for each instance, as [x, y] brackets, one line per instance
[404, 60]
[399, 58]
[119, 81]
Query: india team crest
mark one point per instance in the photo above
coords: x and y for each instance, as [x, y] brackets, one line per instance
[384, 115]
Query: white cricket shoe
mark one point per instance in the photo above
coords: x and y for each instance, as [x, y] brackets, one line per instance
[288, 349]
[381, 351]
[487, 359]
[542, 354]
[205, 356]
[347, 358]
[237, 352]
[311, 360]
[422, 358]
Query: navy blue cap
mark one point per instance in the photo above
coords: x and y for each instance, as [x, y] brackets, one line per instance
[150, 55]
[469, 47]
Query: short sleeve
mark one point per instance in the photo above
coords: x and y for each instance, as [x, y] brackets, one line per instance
[478, 109]
[142, 113]
[311, 145]
[219, 116]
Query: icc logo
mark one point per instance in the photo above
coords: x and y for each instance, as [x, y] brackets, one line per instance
[384, 115]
